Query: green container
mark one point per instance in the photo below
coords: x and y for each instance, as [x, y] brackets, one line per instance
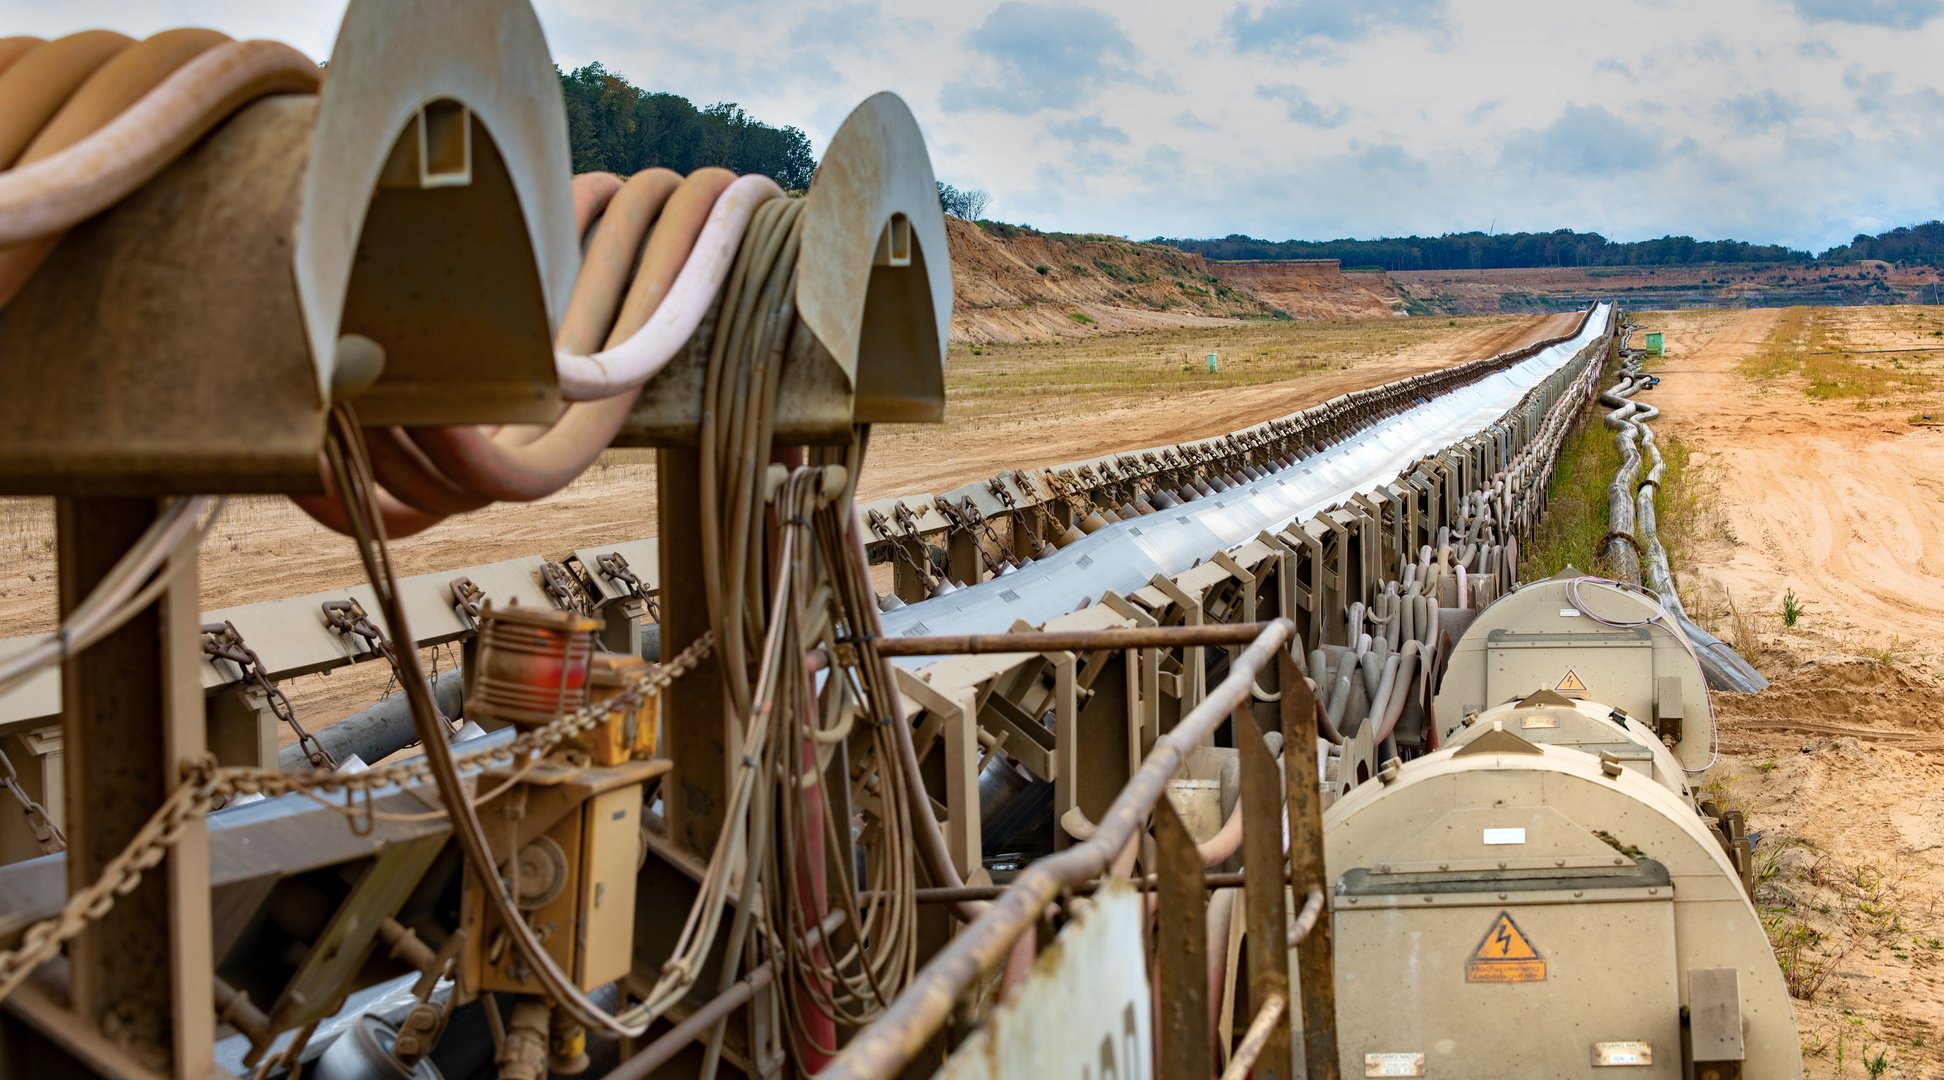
[1654, 343]
[1211, 363]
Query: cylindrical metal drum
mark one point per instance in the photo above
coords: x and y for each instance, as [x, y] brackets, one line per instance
[532, 664]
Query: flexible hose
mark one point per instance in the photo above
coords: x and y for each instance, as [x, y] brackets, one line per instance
[626, 366]
[54, 193]
[500, 465]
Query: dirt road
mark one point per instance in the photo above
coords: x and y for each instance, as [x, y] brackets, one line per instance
[1840, 505]
[1838, 764]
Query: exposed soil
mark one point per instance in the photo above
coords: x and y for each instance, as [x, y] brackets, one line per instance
[1012, 285]
[1641, 288]
[1831, 494]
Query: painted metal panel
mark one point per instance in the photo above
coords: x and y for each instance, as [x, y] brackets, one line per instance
[1084, 1012]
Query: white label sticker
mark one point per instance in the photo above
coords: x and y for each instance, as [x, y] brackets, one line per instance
[1505, 836]
[1393, 1064]
[1609, 1054]
[1569, 613]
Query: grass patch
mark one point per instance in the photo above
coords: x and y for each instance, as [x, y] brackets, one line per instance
[1576, 506]
[1576, 503]
[1081, 317]
[1803, 343]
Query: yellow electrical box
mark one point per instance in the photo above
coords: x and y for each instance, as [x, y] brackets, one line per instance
[569, 838]
[610, 858]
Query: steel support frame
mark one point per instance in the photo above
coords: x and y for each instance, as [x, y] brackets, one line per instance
[139, 994]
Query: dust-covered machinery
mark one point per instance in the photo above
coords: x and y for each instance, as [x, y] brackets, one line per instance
[1543, 895]
[770, 850]
[376, 287]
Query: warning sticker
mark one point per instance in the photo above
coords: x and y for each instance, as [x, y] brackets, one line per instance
[1505, 956]
[1571, 686]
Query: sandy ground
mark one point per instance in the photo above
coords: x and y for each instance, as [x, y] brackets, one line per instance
[1838, 763]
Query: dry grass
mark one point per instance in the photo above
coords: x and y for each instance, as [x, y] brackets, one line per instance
[1809, 347]
[987, 384]
[26, 535]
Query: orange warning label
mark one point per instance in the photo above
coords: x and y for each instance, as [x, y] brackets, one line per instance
[1571, 685]
[1505, 956]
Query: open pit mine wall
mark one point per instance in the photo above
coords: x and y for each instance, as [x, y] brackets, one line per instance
[1011, 285]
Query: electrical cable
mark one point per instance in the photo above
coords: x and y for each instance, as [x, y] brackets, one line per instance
[129, 587]
[52, 194]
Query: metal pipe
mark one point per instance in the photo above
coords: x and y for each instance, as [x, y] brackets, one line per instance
[658, 1053]
[1085, 888]
[377, 732]
[1137, 637]
[1263, 1026]
[881, 1050]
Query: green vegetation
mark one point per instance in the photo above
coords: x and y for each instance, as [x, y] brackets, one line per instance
[614, 126]
[1576, 508]
[1081, 317]
[1482, 251]
[1791, 608]
[1563, 247]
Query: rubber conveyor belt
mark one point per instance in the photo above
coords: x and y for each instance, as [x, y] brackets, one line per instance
[1126, 555]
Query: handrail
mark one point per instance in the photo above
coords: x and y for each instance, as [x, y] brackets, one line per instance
[881, 1050]
[1031, 641]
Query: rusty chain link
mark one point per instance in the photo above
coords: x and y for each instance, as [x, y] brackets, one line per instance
[225, 641]
[883, 528]
[467, 597]
[204, 781]
[613, 566]
[348, 617]
[967, 520]
[47, 834]
[558, 584]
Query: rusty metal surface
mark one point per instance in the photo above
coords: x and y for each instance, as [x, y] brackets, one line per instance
[173, 323]
[1315, 996]
[1028, 641]
[1180, 950]
[881, 1050]
[1262, 890]
[1084, 1011]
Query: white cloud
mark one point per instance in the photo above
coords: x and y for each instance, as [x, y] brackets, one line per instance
[1778, 121]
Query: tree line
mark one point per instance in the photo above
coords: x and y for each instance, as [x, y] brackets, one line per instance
[1564, 247]
[615, 126]
[1905, 243]
[1494, 251]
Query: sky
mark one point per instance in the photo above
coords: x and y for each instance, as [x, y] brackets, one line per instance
[1799, 122]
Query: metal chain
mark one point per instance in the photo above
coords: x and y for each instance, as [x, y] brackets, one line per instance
[614, 566]
[348, 617]
[558, 584]
[47, 834]
[966, 520]
[225, 641]
[883, 528]
[204, 782]
[970, 513]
